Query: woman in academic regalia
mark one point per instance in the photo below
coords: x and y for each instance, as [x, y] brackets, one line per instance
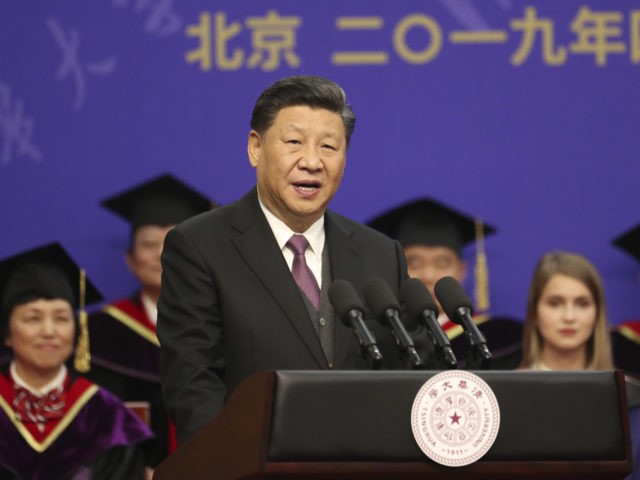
[53, 424]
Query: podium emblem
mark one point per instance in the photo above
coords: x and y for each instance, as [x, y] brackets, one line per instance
[455, 418]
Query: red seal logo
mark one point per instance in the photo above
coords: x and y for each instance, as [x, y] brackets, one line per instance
[455, 418]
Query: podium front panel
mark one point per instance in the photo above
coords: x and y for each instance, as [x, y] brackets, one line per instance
[366, 416]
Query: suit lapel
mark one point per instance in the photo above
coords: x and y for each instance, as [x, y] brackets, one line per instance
[347, 264]
[257, 245]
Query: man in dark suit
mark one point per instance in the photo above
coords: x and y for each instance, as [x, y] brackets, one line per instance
[229, 304]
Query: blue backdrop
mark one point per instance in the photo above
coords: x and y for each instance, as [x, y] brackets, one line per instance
[522, 112]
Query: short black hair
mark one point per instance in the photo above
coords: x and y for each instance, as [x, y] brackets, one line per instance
[47, 272]
[310, 90]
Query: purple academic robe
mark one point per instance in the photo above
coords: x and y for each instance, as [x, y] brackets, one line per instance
[96, 425]
[125, 358]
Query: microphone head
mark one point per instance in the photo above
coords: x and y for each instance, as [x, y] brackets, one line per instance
[380, 298]
[417, 297]
[452, 296]
[344, 299]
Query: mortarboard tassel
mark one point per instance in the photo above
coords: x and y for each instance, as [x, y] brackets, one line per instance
[82, 361]
[481, 270]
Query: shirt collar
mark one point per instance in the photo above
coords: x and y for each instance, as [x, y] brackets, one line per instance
[314, 234]
[540, 365]
[150, 307]
[56, 382]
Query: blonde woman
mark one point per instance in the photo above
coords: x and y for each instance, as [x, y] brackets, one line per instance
[566, 324]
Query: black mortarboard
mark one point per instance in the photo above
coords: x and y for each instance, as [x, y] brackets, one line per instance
[428, 222]
[630, 242]
[45, 272]
[161, 201]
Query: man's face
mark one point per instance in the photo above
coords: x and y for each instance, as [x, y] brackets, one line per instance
[431, 263]
[299, 163]
[144, 258]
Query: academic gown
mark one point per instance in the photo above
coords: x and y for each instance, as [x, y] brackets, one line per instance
[503, 335]
[625, 342]
[96, 438]
[125, 355]
[633, 399]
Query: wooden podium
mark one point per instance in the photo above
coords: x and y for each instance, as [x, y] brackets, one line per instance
[356, 425]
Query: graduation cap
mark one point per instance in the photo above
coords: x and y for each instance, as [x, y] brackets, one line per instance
[48, 272]
[630, 242]
[161, 201]
[426, 221]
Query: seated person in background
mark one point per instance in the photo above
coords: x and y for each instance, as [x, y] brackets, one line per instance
[125, 351]
[566, 325]
[432, 236]
[53, 424]
[625, 341]
[625, 337]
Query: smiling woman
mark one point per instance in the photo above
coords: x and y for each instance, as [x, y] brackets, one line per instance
[41, 336]
[54, 424]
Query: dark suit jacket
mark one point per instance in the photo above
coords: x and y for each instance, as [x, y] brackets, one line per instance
[229, 306]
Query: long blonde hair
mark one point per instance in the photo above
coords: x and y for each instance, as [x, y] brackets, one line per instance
[573, 265]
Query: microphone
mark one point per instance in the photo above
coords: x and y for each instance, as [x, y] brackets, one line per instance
[422, 305]
[458, 308]
[386, 309]
[348, 306]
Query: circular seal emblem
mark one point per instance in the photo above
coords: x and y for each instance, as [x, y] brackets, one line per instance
[455, 418]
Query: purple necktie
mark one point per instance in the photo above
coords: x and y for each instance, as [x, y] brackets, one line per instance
[301, 271]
